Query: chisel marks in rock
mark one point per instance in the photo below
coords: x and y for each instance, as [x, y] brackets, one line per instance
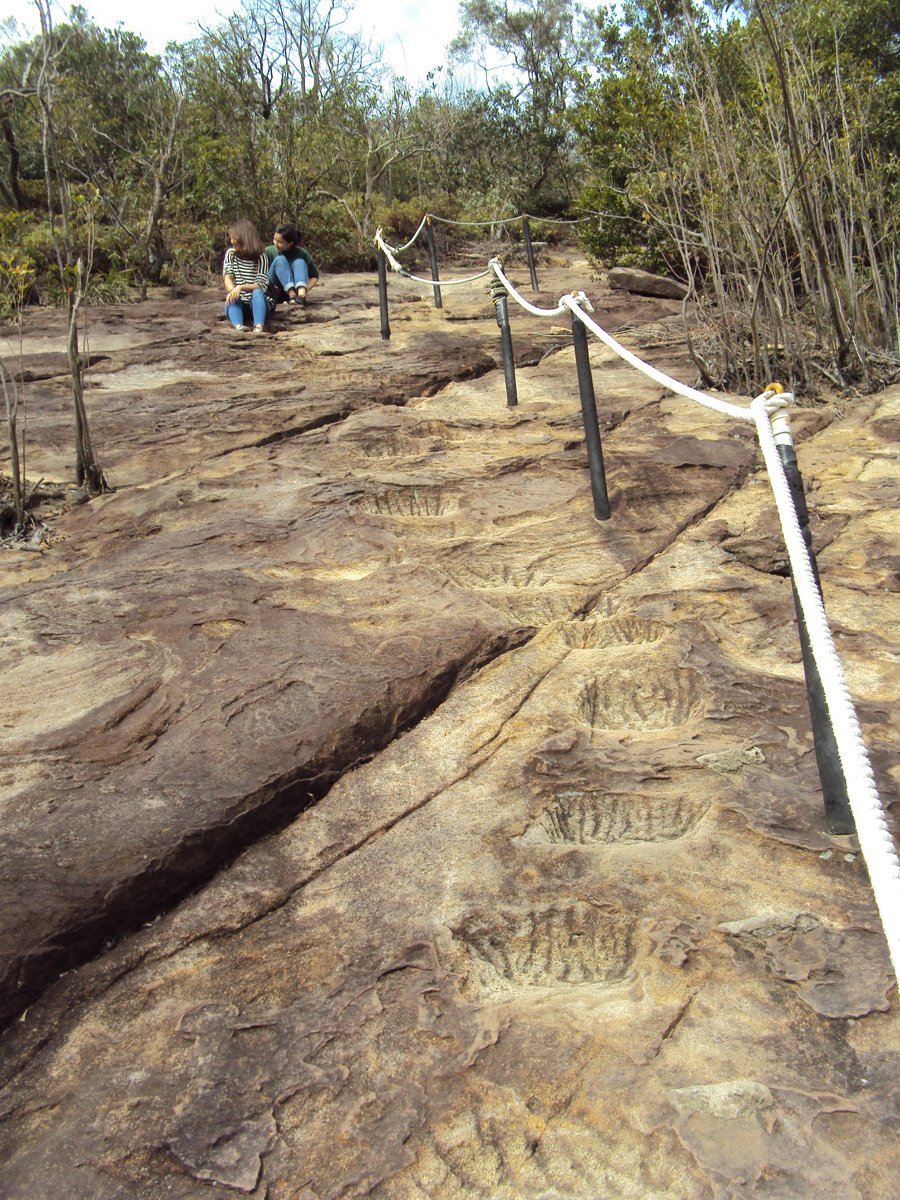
[604, 635]
[635, 699]
[421, 500]
[582, 817]
[562, 945]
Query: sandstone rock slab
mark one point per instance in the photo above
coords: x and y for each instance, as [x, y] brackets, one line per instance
[578, 931]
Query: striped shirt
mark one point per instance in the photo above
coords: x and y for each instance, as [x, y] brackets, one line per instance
[247, 270]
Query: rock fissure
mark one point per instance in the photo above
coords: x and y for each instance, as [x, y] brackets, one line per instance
[163, 884]
[285, 435]
[509, 923]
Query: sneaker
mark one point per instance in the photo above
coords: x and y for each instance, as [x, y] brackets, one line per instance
[300, 298]
[259, 329]
[238, 329]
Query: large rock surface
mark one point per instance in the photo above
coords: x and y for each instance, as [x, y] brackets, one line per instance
[645, 283]
[579, 931]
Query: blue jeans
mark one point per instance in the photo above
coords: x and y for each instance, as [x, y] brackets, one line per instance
[236, 310]
[284, 275]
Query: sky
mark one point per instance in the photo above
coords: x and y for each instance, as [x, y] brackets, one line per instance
[415, 35]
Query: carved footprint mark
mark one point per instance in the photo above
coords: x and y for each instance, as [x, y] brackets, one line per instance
[422, 500]
[637, 699]
[538, 607]
[606, 634]
[588, 818]
[485, 576]
[562, 945]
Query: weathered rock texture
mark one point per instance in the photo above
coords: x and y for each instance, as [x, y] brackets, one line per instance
[645, 283]
[579, 930]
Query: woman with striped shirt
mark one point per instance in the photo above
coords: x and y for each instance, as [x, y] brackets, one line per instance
[245, 272]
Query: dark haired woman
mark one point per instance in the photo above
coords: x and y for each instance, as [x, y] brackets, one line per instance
[292, 271]
[245, 273]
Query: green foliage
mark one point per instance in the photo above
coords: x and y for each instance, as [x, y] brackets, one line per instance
[746, 150]
[114, 286]
[16, 281]
[749, 148]
[331, 237]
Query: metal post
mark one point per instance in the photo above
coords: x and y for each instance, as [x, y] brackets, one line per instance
[838, 815]
[591, 422]
[432, 254]
[498, 295]
[382, 295]
[529, 253]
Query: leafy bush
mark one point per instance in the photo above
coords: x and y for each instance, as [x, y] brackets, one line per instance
[330, 236]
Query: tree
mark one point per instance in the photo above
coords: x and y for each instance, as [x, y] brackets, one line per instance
[545, 44]
[74, 268]
[747, 154]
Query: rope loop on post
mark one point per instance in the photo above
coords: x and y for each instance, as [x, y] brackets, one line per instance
[496, 266]
[399, 270]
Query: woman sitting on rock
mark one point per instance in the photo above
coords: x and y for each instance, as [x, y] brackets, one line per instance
[292, 271]
[245, 272]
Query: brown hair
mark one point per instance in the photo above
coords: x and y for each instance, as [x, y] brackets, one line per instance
[248, 242]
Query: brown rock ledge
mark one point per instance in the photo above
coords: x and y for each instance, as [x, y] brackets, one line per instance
[579, 932]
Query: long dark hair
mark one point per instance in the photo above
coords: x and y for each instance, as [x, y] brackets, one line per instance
[248, 243]
[289, 233]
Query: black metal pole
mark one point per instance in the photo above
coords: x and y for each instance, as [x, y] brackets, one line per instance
[591, 422]
[509, 362]
[382, 295]
[838, 814]
[529, 253]
[498, 296]
[432, 254]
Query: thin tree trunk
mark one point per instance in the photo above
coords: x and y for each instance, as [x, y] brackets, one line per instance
[11, 396]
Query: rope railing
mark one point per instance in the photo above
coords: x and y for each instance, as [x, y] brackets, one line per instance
[574, 304]
[824, 670]
[406, 245]
[512, 220]
[875, 841]
[390, 255]
[496, 266]
[492, 224]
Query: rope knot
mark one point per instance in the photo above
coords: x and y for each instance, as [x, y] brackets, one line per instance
[581, 300]
[774, 399]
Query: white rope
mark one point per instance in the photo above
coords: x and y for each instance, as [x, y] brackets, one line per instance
[395, 266]
[722, 406]
[406, 245]
[511, 220]
[494, 265]
[557, 220]
[446, 282]
[475, 224]
[875, 840]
